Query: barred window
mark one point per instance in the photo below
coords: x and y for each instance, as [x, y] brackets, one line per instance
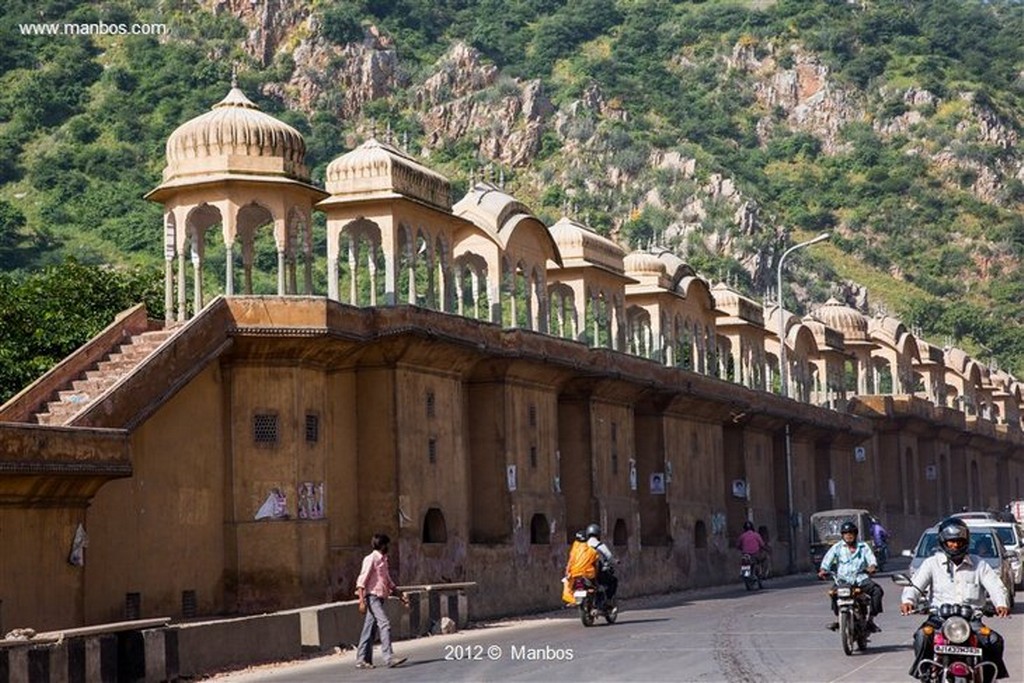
[188, 604]
[312, 428]
[264, 428]
[432, 451]
[533, 456]
[430, 404]
[533, 416]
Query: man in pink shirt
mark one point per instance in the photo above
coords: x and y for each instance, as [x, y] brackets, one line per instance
[373, 586]
[751, 543]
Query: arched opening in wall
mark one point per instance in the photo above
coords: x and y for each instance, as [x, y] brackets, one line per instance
[885, 384]
[540, 532]
[917, 385]
[300, 252]
[953, 397]
[976, 501]
[361, 267]
[598, 321]
[638, 331]
[944, 484]
[538, 300]
[434, 528]
[471, 288]
[684, 346]
[620, 535]
[729, 361]
[911, 482]
[774, 378]
[711, 365]
[849, 376]
[404, 265]
[524, 305]
[562, 311]
[700, 535]
[444, 285]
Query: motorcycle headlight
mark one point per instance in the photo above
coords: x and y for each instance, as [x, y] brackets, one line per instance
[956, 630]
[844, 592]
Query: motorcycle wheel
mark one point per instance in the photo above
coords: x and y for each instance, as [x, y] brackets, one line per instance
[862, 638]
[749, 582]
[586, 616]
[846, 632]
[611, 615]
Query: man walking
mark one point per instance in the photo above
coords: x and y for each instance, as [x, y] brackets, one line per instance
[374, 585]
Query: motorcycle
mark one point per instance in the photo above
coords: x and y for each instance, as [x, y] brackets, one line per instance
[881, 554]
[750, 572]
[854, 606]
[958, 657]
[591, 599]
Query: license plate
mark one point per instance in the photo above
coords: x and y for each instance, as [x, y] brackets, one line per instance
[579, 595]
[963, 650]
[745, 571]
[844, 603]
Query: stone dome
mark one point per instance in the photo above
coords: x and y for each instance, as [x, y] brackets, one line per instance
[236, 137]
[579, 244]
[376, 168]
[644, 263]
[837, 315]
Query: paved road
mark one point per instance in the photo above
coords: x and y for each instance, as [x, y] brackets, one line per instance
[722, 635]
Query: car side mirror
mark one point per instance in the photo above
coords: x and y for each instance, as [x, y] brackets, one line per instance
[907, 553]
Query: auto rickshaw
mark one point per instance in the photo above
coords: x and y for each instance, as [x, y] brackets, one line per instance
[825, 529]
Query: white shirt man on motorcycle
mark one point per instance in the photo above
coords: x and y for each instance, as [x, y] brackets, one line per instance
[956, 577]
[605, 572]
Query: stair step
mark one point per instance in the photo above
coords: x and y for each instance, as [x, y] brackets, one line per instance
[81, 391]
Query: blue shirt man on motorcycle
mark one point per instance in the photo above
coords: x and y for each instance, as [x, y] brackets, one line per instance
[954, 577]
[853, 561]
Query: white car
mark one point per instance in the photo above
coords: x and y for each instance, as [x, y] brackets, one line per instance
[1009, 533]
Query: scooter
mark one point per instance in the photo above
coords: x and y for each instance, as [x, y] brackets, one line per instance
[750, 572]
[592, 602]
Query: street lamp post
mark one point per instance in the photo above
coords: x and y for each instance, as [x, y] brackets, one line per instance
[784, 379]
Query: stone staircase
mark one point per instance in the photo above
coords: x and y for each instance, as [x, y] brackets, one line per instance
[83, 390]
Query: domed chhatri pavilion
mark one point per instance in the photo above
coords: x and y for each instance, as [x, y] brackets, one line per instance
[241, 169]
[473, 382]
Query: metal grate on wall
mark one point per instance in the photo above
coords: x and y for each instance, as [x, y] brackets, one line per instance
[132, 606]
[264, 428]
[188, 604]
[312, 428]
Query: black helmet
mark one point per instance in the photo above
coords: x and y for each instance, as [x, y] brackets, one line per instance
[848, 528]
[954, 530]
[748, 526]
[594, 531]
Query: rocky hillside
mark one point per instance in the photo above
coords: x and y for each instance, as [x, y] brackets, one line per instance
[726, 130]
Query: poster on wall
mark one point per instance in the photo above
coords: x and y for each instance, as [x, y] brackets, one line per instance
[311, 500]
[510, 475]
[657, 483]
[275, 506]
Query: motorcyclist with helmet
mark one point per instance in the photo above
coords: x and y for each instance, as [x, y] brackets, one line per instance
[752, 543]
[605, 571]
[853, 561]
[954, 577]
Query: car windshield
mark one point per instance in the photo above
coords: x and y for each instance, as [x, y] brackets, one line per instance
[1006, 535]
[981, 544]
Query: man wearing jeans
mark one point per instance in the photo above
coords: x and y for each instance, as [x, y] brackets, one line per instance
[373, 586]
